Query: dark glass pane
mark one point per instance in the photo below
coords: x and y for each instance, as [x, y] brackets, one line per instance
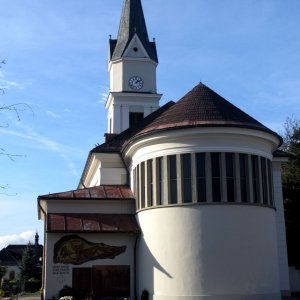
[173, 179]
[229, 158]
[216, 180]
[255, 179]
[187, 191]
[200, 161]
[216, 189]
[135, 118]
[172, 166]
[264, 180]
[229, 165]
[215, 164]
[187, 178]
[230, 190]
[142, 185]
[137, 186]
[160, 181]
[186, 165]
[201, 180]
[150, 183]
[201, 189]
[270, 182]
[243, 178]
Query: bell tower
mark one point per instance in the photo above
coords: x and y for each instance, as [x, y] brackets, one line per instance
[132, 67]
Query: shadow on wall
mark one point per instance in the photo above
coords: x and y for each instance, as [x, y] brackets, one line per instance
[146, 266]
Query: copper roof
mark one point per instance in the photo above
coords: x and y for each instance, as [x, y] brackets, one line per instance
[104, 192]
[92, 223]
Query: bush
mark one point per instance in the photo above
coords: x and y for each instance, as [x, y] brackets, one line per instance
[32, 285]
[145, 295]
[66, 291]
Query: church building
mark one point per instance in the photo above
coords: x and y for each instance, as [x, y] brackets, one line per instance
[182, 201]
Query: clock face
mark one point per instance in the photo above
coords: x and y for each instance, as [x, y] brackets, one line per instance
[136, 82]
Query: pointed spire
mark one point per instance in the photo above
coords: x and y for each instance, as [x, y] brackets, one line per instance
[132, 22]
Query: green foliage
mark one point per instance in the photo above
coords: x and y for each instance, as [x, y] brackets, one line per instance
[291, 170]
[145, 295]
[2, 272]
[291, 190]
[66, 291]
[29, 265]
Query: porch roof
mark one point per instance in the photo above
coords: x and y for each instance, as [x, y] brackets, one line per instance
[91, 223]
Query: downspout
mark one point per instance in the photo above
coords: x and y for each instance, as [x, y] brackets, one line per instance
[44, 249]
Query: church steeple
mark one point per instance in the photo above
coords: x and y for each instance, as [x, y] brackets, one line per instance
[132, 66]
[132, 23]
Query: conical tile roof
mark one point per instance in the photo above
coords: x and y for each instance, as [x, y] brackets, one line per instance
[203, 107]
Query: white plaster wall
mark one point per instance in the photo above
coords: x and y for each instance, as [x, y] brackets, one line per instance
[55, 282]
[202, 140]
[208, 252]
[91, 207]
[113, 176]
[280, 227]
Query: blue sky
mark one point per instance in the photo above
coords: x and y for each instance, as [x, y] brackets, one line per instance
[56, 61]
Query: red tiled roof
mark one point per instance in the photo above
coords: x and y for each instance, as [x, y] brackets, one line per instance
[104, 192]
[92, 223]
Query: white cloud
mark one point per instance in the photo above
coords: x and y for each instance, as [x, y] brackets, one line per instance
[53, 115]
[104, 95]
[17, 238]
[6, 84]
[44, 143]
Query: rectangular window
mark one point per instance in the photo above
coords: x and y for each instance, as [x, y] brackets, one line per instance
[142, 190]
[173, 179]
[201, 177]
[243, 177]
[264, 180]
[187, 178]
[160, 176]
[150, 183]
[270, 182]
[255, 179]
[135, 118]
[137, 187]
[216, 176]
[229, 158]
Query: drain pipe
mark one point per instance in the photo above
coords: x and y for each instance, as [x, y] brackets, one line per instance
[44, 247]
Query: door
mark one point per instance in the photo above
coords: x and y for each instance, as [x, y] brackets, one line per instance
[102, 282]
[111, 282]
[82, 282]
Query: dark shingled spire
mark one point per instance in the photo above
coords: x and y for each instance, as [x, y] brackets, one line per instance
[132, 22]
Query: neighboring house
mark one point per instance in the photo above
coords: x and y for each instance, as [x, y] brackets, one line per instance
[12, 255]
[183, 200]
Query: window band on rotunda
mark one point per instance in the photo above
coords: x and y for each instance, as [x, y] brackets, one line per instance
[204, 178]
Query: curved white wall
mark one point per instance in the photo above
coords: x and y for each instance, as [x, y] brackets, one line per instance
[208, 252]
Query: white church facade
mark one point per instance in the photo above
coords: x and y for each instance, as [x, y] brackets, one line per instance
[183, 201]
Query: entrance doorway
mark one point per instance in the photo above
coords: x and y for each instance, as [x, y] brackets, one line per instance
[102, 282]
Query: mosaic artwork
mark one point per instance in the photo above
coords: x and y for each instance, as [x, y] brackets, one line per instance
[75, 250]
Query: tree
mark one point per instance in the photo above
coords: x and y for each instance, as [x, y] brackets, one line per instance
[2, 272]
[16, 109]
[29, 265]
[291, 190]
